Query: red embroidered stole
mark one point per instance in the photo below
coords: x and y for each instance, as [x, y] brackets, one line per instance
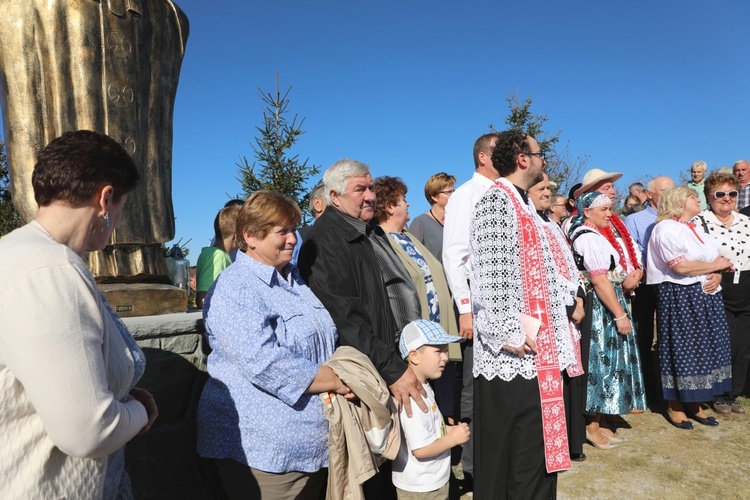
[561, 263]
[537, 304]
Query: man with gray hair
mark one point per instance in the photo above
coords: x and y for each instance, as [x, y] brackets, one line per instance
[639, 225]
[318, 199]
[741, 170]
[558, 209]
[698, 175]
[341, 264]
[636, 189]
[316, 207]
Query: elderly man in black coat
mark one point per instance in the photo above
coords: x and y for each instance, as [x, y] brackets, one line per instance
[349, 271]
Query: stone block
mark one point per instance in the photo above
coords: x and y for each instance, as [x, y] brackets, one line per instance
[144, 299]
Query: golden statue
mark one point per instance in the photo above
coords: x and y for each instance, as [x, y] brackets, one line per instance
[111, 66]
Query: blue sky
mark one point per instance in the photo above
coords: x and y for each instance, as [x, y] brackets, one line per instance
[643, 88]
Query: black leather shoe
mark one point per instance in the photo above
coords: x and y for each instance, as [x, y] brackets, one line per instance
[709, 421]
[685, 425]
[577, 457]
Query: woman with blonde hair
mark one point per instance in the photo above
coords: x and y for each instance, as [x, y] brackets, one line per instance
[428, 227]
[684, 263]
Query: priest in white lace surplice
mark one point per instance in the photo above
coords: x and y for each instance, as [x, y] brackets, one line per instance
[521, 334]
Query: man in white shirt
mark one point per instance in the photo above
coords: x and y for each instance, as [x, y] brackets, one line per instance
[457, 268]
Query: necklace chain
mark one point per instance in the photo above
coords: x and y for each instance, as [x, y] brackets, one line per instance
[436, 219]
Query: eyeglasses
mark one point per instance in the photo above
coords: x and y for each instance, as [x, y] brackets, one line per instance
[721, 194]
[540, 154]
[448, 192]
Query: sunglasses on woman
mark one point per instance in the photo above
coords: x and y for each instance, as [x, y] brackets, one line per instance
[721, 194]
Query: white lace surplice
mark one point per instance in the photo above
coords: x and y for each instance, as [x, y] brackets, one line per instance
[497, 291]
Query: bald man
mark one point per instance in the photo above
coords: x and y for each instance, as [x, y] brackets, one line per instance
[640, 225]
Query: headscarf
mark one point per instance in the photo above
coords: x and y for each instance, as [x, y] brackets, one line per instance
[595, 199]
[587, 200]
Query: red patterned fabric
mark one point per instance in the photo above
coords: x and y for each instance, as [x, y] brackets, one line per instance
[625, 235]
[561, 263]
[690, 225]
[537, 303]
[677, 260]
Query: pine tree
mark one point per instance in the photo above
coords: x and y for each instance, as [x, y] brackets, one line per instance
[277, 170]
[9, 218]
[562, 166]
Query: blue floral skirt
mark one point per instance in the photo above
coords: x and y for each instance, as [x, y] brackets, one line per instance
[693, 343]
[615, 381]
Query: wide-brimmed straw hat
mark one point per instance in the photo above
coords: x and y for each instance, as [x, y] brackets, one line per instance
[593, 177]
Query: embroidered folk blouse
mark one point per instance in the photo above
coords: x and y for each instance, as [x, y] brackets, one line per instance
[674, 242]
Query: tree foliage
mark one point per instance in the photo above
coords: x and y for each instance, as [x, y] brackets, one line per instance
[274, 169]
[9, 218]
[563, 167]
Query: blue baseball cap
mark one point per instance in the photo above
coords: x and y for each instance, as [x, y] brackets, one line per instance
[422, 332]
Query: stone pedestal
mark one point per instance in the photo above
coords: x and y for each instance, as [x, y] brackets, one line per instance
[144, 299]
[163, 463]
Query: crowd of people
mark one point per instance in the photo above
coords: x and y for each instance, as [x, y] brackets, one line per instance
[353, 355]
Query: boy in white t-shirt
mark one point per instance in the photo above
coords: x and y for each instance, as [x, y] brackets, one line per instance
[423, 466]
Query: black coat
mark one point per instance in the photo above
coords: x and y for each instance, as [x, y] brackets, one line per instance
[340, 266]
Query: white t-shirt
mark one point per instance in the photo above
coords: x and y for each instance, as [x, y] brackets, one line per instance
[427, 474]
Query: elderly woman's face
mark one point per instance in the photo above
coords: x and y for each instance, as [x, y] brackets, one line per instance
[399, 213]
[275, 249]
[692, 207]
[720, 200]
[598, 216]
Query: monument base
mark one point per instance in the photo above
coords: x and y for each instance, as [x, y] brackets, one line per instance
[144, 299]
[163, 463]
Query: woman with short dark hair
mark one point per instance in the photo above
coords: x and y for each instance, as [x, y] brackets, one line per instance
[68, 365]
[259, 414]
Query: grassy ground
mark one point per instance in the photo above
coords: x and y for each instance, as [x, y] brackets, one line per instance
[659, 460]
